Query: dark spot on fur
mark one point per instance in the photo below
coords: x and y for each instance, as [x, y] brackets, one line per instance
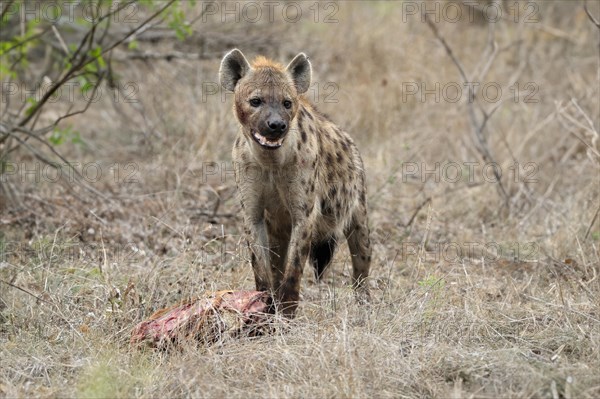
[304, 249]
[326, 208]
[292, 280]
[242, 117]
[299, 145]
[332, 192]
[331, 176]
[321, 254]
[321, 115]
[329, 158]
[339, 156]
[303, 134]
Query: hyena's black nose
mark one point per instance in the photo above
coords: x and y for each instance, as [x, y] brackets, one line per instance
[276, 126]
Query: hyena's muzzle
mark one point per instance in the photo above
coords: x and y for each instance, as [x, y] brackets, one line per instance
[273, 129]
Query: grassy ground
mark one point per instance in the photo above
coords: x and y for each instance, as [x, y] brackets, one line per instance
[476, 293]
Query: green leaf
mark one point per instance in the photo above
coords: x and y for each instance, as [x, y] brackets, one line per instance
[34, 102]
[133, 45]
[56, 138]
[96, 53]
[60, 136]
[5, 72]
[179, 24]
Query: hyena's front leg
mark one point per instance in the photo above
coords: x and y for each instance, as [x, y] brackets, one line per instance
[278, 232]
[256, 234]
[259, 246]
[289, 291]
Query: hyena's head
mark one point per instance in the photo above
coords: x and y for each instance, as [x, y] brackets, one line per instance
[266, 94]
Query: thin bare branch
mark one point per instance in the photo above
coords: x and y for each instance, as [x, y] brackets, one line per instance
[41, 157]
[448, 49]
[87, 104]
[6, 8]
[416, 212]
[590, 16]
[478, 124]
[587, 233]
[33, 37]
[25, 291]
[149, 55]
[60, 40]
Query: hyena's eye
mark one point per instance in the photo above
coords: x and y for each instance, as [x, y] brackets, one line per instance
[255, 102]
[287, 104]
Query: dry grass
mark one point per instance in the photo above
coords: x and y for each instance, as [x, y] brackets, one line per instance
[525, 323]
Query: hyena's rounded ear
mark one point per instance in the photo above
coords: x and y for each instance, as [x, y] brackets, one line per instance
[301, 72]
[233, 67]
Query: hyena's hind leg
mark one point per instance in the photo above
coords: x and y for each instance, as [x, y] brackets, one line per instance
[321, 254]
[359, 244]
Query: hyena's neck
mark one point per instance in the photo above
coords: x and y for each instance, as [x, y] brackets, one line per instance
[306, 108]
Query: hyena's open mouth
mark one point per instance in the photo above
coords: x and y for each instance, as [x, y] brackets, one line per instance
[265, 142]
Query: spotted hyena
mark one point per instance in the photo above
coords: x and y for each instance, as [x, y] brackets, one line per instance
[300, 177]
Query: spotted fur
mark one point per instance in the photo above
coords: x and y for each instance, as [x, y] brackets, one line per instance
[300, 178]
